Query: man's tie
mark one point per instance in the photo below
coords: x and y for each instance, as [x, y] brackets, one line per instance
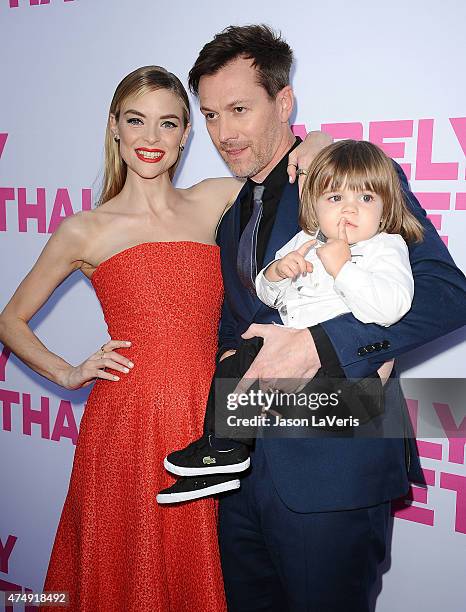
[247, 262]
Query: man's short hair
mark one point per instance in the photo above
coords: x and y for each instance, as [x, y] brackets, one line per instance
[270, 54]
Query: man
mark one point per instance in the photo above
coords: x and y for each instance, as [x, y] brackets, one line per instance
[308, 526]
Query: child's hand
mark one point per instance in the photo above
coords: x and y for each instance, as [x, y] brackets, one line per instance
[335, 252]
[292, 265]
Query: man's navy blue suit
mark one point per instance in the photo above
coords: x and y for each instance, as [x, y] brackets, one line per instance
[320, 507]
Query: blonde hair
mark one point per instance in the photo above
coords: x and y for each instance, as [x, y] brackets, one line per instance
[358, 166]
[137, 83]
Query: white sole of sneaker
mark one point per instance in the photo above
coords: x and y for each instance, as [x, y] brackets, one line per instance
[215, 469]
[174, 498]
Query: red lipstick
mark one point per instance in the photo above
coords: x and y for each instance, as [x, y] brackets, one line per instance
[150, 156]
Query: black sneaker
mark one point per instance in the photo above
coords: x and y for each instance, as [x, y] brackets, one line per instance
[194, 487]
[201, 458]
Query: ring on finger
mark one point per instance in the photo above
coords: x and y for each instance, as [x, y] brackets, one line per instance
[301, 172]
[291, 164]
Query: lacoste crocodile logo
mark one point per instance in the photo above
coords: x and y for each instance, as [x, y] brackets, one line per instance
[208, 460]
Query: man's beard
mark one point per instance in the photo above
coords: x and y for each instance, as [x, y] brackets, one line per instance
[248, 168]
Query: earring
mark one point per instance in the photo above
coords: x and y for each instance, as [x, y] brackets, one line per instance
[116, 138]
[181, 147]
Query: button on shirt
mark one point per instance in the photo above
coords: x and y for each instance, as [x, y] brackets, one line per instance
[377, 286]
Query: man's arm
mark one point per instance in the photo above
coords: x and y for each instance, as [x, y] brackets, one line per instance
[439, 307]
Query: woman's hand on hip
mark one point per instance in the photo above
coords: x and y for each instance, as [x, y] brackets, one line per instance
[95, 366]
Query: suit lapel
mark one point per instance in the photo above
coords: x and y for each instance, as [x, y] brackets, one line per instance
[286, 222]
[284, 228]
[232, 227]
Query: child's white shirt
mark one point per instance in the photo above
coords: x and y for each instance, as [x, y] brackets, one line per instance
[377, 285]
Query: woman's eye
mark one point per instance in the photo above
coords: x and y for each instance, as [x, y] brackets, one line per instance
[367, 198]
[134, 121]
[335, 198]
[169, 124]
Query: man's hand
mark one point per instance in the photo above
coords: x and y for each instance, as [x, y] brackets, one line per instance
[303, 155]
[335, 252]
[385, 370]
[291, 265]
[287, 361]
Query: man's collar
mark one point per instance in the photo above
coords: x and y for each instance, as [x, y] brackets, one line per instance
[278, 176]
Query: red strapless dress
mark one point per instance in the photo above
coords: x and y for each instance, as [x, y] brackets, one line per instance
[116, 549]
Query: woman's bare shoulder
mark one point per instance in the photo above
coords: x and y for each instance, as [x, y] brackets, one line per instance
[218, 192]
[78, 232]
[80, 223]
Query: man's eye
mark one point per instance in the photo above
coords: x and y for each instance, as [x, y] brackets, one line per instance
[135, 121]
[209, 116]
[239, 109]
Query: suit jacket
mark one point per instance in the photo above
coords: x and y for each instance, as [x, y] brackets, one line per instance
[324, 474]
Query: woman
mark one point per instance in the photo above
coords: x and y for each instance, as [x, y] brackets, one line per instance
[149, 251]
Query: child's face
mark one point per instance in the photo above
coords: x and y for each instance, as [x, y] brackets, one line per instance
[362, 211]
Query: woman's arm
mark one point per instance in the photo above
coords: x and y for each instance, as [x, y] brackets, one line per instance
[218, 194]
[62, 255]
